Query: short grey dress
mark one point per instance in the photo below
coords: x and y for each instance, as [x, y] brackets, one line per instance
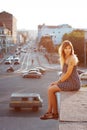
[72, 83]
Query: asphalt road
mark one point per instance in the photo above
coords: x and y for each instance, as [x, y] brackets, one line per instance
[25, 119]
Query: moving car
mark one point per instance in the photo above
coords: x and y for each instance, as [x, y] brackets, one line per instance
[10, 69]
[25, 100]
[11, 58]
[32, 74]
[34, 69]
[16, 60]
[27, 71]
[41, 69]
[7, 61]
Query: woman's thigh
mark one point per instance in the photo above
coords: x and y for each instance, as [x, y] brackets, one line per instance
[54, 89]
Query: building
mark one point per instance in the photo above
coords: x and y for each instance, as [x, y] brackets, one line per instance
[10, 23]
[56, 32]
[5, 39]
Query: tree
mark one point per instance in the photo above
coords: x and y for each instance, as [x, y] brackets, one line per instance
[77, 39]
[47, 43]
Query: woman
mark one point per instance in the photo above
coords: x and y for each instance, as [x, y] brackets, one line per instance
[68, 81]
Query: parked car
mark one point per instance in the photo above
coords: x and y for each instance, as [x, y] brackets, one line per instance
[10, 69]
[25, 100]
[80, 71]
[83, 76]
[32, 74]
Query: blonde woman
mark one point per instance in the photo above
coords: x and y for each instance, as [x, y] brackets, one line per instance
[68, 81]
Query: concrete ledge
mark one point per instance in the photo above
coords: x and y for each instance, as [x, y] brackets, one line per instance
[73, 126]
[73, 110]
[73, 105]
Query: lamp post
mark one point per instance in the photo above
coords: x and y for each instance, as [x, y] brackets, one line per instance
[85, 41]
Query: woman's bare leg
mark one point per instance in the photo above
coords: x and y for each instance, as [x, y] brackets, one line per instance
[52, 101]
[49, 102]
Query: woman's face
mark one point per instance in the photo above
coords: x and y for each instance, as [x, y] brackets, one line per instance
[67, 50]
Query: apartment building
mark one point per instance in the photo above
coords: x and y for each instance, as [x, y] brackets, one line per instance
[56, 32]
[10, 23]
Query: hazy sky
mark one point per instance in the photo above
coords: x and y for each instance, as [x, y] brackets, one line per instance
[31, 13]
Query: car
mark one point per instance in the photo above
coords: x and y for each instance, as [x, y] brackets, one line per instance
[34, 69]
[25, 100]
[30, 70]
[18, 53]
[80, 71]
[7, 61]
[10, 69]
[41, 69]
[11, 58]
[32, 74]
[24, 51]
[83, 76]
[16, 61]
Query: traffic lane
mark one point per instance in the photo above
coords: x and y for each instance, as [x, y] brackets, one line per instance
[3, 68]
[26, 119]
[18, 84]
[27, 124]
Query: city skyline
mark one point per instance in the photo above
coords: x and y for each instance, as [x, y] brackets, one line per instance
[30, 13]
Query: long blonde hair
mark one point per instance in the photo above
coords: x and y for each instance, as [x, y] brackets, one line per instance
[61, 51]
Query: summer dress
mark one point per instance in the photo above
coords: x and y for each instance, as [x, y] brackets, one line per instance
[72, 83]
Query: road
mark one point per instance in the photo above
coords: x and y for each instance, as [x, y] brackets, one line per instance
[13, 82]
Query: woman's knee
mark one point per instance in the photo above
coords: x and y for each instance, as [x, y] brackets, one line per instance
[51, 89]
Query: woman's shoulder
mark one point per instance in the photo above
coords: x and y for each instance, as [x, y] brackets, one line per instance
[73, 59]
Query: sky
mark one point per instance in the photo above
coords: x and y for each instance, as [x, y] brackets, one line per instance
[31, 13]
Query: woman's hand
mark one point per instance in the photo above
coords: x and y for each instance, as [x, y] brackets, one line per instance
[54, 83]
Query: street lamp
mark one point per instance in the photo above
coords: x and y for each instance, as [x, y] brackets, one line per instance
[85, 41]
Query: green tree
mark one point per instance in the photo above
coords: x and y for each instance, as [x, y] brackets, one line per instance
[46, 42]
[77, 39]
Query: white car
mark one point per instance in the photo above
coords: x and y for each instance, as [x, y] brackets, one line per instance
[32, 74]
[7, 61]
[16, 60]
[25, 100]
[83, 76]
[41, 69]
[30, 70]
[11, 58]
[34, 69]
